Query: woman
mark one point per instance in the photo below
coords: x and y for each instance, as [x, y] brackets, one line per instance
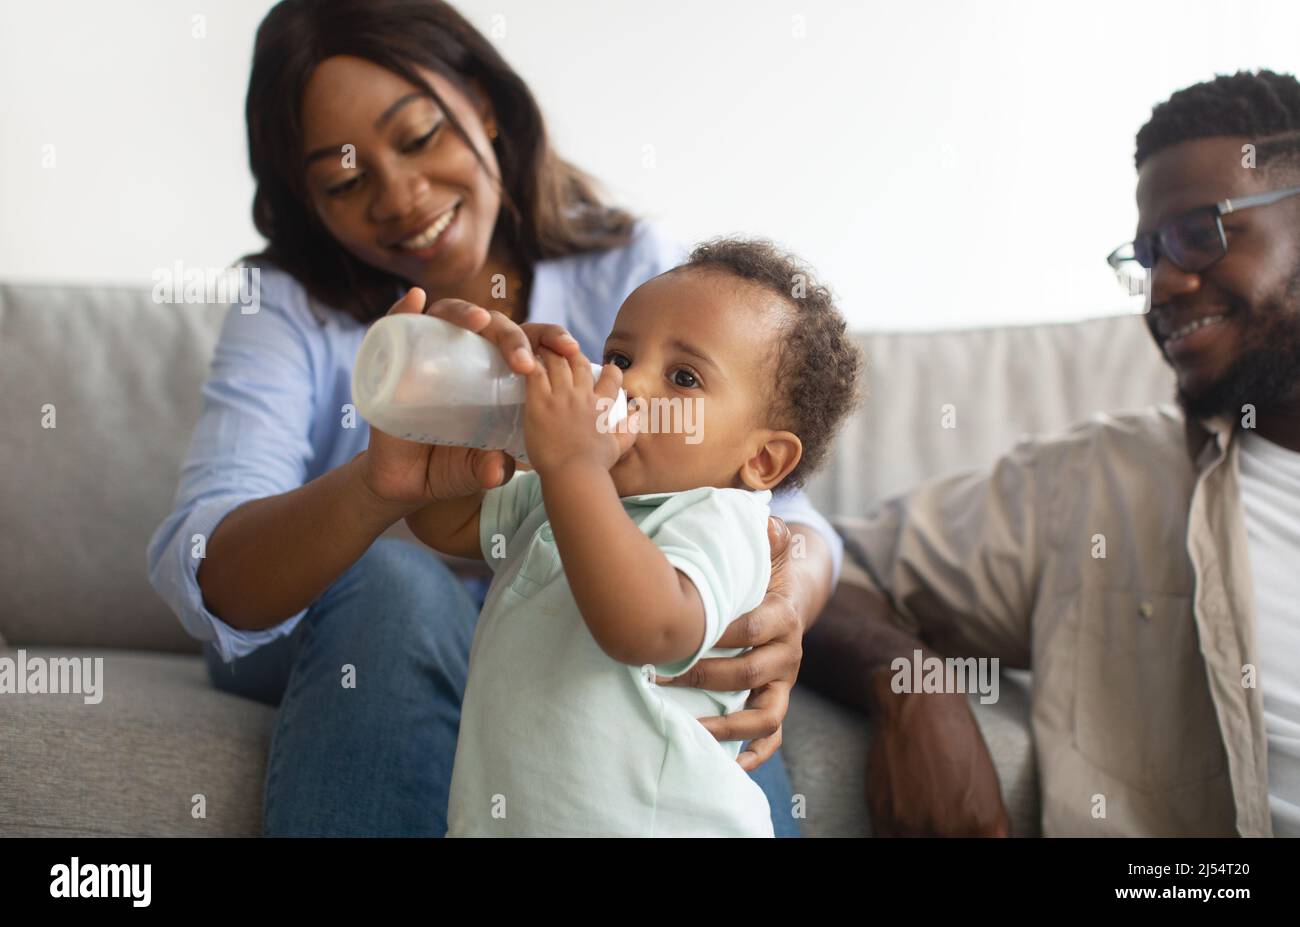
[394, 148]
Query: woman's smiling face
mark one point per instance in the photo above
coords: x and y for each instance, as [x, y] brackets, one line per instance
[409, 197]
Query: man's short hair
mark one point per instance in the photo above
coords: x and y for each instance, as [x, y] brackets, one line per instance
[1261, 106]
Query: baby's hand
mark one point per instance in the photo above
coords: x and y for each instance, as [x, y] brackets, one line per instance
[562, 410]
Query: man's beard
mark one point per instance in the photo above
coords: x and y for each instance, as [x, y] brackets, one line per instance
[1263, 375]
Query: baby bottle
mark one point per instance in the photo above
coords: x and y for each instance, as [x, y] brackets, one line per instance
[421, 378]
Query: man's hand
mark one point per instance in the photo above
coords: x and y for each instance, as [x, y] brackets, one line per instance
[929, 772]
[775, 632]
[928, 769]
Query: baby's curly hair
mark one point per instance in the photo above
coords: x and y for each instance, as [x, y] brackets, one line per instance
[818, 366]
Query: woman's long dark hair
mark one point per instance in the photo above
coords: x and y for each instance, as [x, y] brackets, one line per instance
[549, 207]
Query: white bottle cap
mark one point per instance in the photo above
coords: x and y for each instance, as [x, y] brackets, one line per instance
[618, 411]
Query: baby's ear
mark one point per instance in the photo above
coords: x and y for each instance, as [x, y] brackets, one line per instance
[777, 455]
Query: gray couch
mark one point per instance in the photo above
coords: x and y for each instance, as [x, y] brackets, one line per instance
[80, 500]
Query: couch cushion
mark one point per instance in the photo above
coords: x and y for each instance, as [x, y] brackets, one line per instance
[131, 765]
[825, 747]
[82, 499]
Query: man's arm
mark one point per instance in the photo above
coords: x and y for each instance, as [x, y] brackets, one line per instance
[949, 568]
[853, 641]
[929, 772]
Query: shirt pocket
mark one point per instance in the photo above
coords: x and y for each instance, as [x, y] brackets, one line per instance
[1142, 709]
[541, 563]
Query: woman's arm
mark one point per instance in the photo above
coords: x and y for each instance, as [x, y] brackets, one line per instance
[451, 526]
[816, 552]
[810, 574]
[271, 558]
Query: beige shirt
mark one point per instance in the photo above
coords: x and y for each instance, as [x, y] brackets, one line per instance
[1113, 561]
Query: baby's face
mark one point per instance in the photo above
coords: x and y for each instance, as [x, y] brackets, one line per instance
[697, 348]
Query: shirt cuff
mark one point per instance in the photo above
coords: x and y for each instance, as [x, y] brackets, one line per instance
[711, 619]
[176, 579]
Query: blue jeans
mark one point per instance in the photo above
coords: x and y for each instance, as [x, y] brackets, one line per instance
[375, 758]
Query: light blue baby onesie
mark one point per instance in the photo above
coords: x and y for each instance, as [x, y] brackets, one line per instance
[557, 738]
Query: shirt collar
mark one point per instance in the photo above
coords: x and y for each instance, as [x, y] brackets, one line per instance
[1210, 436]
[654, 497]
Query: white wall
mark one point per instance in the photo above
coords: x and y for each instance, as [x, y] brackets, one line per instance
[942, 163]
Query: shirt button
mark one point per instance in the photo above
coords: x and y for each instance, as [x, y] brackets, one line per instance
[1146, 609]
[547, 536]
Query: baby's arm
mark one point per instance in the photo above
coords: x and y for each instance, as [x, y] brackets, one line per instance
[450, 526]
[639, 608]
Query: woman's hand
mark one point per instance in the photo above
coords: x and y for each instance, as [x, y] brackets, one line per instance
[409, 473]
[775, 632]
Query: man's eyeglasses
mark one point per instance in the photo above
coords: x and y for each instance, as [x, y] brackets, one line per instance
[1192, 242]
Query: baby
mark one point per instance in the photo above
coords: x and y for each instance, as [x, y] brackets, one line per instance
[624, 553]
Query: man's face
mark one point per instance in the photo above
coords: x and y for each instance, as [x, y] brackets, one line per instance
[697, 346]
[1246, 345]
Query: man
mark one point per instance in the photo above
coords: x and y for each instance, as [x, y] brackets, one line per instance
[1145, 566]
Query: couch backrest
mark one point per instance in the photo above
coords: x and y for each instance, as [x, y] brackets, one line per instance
[993, 386]
[80, 500]
[122, 374]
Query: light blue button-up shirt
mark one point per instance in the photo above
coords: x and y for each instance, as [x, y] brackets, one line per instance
[277, 401]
